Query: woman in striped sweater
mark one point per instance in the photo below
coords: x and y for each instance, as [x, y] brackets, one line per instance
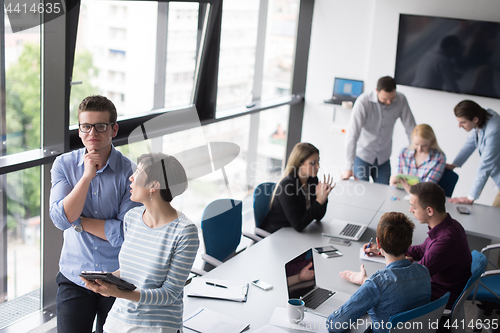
[157, 254]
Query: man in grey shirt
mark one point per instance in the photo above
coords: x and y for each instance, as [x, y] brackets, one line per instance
[370, 129]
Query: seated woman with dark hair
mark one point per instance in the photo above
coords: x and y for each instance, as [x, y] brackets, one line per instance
[158, 252]
[299, 198]
[399, 287]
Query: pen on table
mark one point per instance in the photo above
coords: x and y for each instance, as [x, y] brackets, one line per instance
[369, 244]
[215, 285]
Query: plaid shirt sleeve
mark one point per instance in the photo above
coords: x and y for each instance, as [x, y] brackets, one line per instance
[435, 168]
[403, 161]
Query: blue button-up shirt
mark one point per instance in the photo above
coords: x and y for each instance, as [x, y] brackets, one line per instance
[108, 199]
[399, 287]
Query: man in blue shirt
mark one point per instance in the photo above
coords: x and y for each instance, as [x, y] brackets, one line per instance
[484, 126]
[399, 287]
[89, 197]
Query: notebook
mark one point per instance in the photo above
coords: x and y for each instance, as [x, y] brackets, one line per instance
[345, 90]
[207, 321]
[344, 229]
[321, 300]
[231, 290]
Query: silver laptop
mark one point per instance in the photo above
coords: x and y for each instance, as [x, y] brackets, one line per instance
[344, 229]
[318, 299]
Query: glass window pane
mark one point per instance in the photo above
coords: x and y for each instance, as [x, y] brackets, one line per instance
[22, 85]
[181, 52]
[280, 48]
[271, 149]
[21, 210]
[115, 55]
[237, 53]
[210, 185]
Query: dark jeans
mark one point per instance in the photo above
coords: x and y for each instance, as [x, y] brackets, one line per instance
[380, 173]
[77, 307]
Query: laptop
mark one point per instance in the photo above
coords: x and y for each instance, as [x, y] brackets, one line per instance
[345, 90]
[320, 300]
[344, 229]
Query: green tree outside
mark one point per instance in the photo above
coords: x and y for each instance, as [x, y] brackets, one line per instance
[23, 123]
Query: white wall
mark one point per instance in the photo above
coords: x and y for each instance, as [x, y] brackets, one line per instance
[357, 39]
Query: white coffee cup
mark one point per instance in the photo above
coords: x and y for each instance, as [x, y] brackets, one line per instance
[295, 310]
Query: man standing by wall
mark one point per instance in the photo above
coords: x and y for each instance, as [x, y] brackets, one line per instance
[89, 197]
[370, 130]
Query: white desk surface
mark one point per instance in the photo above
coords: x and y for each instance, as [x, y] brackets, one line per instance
[266, 259]
[360, 194]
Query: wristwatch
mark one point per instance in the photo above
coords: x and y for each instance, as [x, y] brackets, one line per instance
[78, 227]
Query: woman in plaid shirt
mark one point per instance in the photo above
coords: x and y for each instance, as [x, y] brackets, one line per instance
[423, 158]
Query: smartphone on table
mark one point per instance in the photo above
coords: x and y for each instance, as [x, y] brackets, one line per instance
[262, 285]
[323, 249]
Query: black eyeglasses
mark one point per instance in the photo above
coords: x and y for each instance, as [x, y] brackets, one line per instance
[100, 127]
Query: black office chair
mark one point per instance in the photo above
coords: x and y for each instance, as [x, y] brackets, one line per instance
[448, 182]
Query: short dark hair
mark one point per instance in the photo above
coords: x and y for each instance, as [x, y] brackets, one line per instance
[98, 103]
[469, 110]
[167, 171]
[386, 83]
[395, 233]
[430, 195]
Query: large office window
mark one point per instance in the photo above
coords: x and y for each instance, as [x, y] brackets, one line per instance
[210, 185]
[20, 268]
[273, 128]
[115, 55]
[237, 53]
[182, 46]
[23, 233]
[279, 56]
[22, 85]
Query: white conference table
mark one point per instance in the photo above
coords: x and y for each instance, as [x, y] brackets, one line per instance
[266, 259]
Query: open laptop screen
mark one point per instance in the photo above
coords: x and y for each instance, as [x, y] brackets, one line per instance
[300, 277]
[347, 87]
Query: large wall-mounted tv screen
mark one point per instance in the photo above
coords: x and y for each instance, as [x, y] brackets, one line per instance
[455, 55]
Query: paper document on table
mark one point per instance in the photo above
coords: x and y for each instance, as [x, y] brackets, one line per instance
[311, 322]
[207, 321]
[232, 290]
[374, 258]
[270, 329]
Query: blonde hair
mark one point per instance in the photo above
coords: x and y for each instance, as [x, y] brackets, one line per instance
[425, 132]
[300, 153]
